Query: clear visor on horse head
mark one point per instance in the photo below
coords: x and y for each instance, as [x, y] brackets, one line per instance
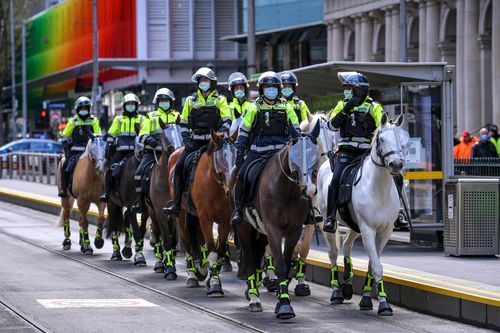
[400, 139]
[303, 156]
[173, 135]
[224, 158]
[325, 138]
[235, 125]
[98, 146]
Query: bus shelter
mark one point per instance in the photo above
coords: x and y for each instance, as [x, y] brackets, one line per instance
[423, 92]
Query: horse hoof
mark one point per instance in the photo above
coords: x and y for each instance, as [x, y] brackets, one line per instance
[255, 307]
[337, 297]
[366, 303]
[66, 244]
[214, 290]
[347, 291]
[226, 265]
[384, 309]
[265, 281]
[284, 311]
[127, 252]
[302, 290]
[192, 283]
[86, 249]
[116, 256]
[159, 267]
[272, 285]
[99, 243]
[139, 260]
[170, 274]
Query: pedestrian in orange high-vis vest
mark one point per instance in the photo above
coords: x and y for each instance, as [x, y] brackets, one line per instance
[464, 148]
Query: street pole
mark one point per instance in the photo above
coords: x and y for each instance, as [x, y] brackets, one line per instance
[13, 69]
[95, 71]
[251, 67]
[403, 51]
[25, 100]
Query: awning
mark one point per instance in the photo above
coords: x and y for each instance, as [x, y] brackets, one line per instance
[242, 38]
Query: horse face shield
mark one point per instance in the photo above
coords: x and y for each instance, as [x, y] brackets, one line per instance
[392, 148]
[326, 137]
[97, 153]
[224, 159]
[303, 159]
[173, 134]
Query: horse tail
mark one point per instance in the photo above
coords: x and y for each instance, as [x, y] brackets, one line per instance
[60, 221]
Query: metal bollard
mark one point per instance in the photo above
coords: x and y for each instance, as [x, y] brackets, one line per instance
[40, 169]
[16, 166]
[5, 166]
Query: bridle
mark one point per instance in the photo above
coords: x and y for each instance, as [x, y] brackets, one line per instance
[379, 152]
[218, 176]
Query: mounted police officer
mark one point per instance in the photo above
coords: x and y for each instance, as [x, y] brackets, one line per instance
[203, 112]
[75, 138]
[356, 118]
[290, 84]
[267, 124]
[238, 86]
[121, 138]
[150, 137]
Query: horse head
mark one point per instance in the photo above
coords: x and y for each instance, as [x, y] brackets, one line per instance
[391, 144]
[224, 156]
[96, 148]
[304, 157]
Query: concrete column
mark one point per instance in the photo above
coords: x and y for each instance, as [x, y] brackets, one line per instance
[395, 34]
[357, 38]
[388, 34]
[329, 42]
[472, 71]
[486, 91]
[459, 70]
[366, 38]
[495, 43]
[432, 31]
[422, 31]
[338, 41]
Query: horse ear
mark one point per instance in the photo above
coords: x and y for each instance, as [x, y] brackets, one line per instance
[315, 130]
[384, 119]
[400, 120]
[292, 130]
[234, 136]
[215, 138]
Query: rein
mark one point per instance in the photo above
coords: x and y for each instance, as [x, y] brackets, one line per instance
[217, 176]
[283, 170]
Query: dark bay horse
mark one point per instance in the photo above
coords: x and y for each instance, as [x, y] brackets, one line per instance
[86, 186]
[278, 210]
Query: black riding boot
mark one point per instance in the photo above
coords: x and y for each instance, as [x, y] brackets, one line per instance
[330, 224]
[63, 191]
[174, 207]
[139, 203]
[237, 217]
[108, 185]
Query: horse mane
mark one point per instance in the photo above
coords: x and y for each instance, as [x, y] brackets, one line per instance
[210, 147]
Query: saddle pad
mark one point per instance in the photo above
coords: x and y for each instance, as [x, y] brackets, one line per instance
[117, 168]
[71, 165]
[252, 174]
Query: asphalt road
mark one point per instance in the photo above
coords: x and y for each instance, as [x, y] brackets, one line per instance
[34, 268]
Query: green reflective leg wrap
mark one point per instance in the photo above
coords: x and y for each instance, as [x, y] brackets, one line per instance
[170, 258]
[269, 263]
[335, 277]
[204, 254]
[98, 233]
[367, 286]
[253, 288]
[158, 253]
[258, 277]
[128, 236]
[227, 254]
[348, 273]
[67, 232]
[300, 268]
[114, 238]
[381, 290]
[139, 245]
[214, 271]
[283, 290]
[84, 236]
[190, 264]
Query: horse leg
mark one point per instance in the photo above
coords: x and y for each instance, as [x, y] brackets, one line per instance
[226, 258]
[187, 243]
[347, 289]
[384, 309]
[214, 285]
[85, 246]
[138, 234]
[158, 251]
[98, 240]
[168, 245]
[333, 240]
[67, 204]
[116, 255]
[127, 247]
[270, 280]
[302, 289]
[374, 267]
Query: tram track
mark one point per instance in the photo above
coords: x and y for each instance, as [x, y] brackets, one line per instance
[239, 324]
[25, 317]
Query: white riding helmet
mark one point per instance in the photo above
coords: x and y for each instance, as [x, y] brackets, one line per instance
[163, 93]
[82, 101]
[130, 98]
[204, 72]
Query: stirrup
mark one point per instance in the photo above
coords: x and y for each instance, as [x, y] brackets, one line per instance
[137, 207]
[104, 197]
[237, 217]
[330, 225]
[63, 193]
[172, 209]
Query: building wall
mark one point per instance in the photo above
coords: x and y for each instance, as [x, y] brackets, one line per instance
[459, 32]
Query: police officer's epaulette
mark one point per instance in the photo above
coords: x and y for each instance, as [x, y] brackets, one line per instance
[296, 99]
[194, 97]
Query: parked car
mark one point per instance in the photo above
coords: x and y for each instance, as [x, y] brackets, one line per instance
[32, 146]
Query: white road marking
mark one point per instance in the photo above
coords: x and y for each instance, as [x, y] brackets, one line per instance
[94, 303]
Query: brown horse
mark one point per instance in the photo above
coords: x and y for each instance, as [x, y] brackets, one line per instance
[163, 226]
[279, 210]
[209, 195]
[86, 187]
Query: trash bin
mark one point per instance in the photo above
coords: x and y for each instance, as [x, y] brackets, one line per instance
[471, 216]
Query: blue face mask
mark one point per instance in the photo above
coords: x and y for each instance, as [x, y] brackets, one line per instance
[83, 113]
[485, 137]
[130, 108]
[204, 86]
[164, 105]
[287, 92]
[239, 94]
[271, 93]
[347, 94]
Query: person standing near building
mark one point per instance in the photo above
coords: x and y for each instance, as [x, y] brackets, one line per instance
[484, 147]
[290, 84]
[495, 138]
[464, 148]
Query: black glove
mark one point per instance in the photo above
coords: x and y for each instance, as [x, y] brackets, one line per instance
[350, 105]
[240, 158]
[151, 141]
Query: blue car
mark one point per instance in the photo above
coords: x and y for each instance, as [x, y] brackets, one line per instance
[32, 146]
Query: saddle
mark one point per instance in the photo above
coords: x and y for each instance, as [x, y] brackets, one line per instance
[252, 175]
[348, 179]
[189, 171]
[117, 169]
[70, 167]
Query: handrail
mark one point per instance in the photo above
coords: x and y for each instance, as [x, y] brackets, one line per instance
[34, 167]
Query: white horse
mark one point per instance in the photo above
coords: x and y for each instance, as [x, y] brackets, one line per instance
[374, 207]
